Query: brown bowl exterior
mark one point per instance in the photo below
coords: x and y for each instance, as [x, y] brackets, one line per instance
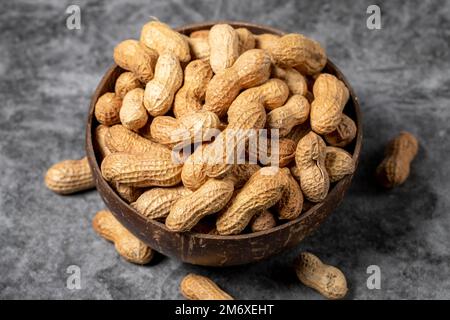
[215, 250]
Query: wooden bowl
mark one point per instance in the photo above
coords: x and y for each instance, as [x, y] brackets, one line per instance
[215, 250]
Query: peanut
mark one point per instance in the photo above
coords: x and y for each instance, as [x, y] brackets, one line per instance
[261, 192]
[160, 91]
[290, 205]
[271, 94]
[210, 198]
[70, 176]
[299, 52]
[252, 68]
[127, 245]
[295, 80]
[284, 154]
[338, 163]
[120, 139]
[142, 170]
[310, 160]
[160, 37]
[199, 126]
[263, 221]
[100, 140]
[344, 133]
[128, 193]
[126, 82]
[295, 172]
[156, 203]
[133, 114]
[327, 280]
[189, 99]
[224, 47]
[107, 109]
[195, 287]
[299, 132]
[266, 40]
[199, 48]
[294, 112]
[395, 167]
[193, 173]
[330, 97]
[200, 34]
[133, 56]
[246, 40]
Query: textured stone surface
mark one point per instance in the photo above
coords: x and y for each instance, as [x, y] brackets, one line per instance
[400, 73]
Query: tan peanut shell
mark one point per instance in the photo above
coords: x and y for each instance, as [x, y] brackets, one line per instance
[263, 221]
[198, 127]
[160, 37]
[299, 52]
[120, 139]
[338, 163]
[193, 173]
[224, 47]
[261, 192]
[395, 167]
[344, 134]
[156, 202]
[100, 134]
[330, 97]
[298, 132]
[107, 109]
[199, 34]
[142, 170]
[282, 155]
[160, 91]
[133, 114]
[291, 203]
[126, 82]
[295, 172]
[310, 160]
[294, 112]
[133, 56]
[272, 94]
[189, 99]
[128, 193]
[266, 40]
[246, 40]
[195, 287]
[251, 69]
[242, 172]
[295, 80]
[329, 281]
[199, 48]
[127, 245]
[210, 198]
[69, 176]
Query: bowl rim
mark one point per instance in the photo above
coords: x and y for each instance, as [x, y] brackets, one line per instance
[91, 154]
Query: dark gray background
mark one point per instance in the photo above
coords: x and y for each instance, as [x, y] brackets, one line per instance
[400, 73]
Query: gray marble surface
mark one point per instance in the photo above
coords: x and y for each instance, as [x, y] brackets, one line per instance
[400, 73]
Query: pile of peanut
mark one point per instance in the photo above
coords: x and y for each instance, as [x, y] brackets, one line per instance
[178, 89]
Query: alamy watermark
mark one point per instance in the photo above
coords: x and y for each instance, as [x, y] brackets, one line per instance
[73, 281]
[374, 280]
[73, 21]
[374, 20]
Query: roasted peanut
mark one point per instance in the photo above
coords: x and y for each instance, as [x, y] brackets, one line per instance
[338, 163]
[283, 153]
[160, 37]
[107, 109]
[142, 170]
[133, 56]
[193, 173]
[210, 198]
[299, 52]
[261, 192]
[200, 126]
[128, 193]
[199, 48]
[195, 287]
[263, 221]
[327, 280]
[344, 133]
[126, 82]
[252, 68]
[294, 112]
[395, 167]
[224, 47]
[291, 203]
[295, 80]
[156, 203]
[310, 160]
[299, 132]
[127, 245]
[266, 40]
[69, 176]
[100, 140]
[120, 139]
[246, 40]
[133, 114]
[199, 34]
[330, 97]
[189, 99]
[160, 91]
